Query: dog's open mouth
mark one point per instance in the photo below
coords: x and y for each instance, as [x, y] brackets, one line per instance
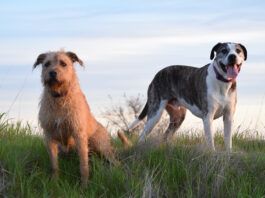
[231, 70]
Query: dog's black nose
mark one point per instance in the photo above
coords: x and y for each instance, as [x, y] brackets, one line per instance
[232, 58]
[53, 74]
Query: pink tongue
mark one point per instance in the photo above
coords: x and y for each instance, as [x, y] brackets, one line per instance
[232, 71]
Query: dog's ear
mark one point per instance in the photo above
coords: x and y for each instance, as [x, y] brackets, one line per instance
[74, 58]
[215, 48]
[39, 60]
[244, 50]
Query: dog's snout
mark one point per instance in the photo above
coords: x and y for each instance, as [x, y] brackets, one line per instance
[232, 58]
[53, 74]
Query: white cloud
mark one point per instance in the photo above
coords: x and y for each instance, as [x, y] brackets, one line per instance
[24, 51]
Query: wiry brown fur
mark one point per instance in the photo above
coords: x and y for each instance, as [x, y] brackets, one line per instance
[65, 115]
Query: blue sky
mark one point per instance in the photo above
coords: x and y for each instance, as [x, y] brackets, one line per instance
[123, 44]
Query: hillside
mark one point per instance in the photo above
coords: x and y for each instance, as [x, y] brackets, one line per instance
[181, 169]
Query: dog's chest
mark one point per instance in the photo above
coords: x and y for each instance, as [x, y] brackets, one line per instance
[60, 126]
[219, 98]
[57, 119]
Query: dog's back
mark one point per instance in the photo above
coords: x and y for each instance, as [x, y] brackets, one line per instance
[180, 82]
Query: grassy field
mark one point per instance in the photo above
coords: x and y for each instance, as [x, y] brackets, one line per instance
[181, 169]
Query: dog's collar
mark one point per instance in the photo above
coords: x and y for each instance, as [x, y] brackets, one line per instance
[220, 77]
[58, 95]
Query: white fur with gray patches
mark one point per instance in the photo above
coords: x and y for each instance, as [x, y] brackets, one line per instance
[221, 101]
[240, 57]
[193, 108]
[233, 47]
[207, 92]
[218, 95]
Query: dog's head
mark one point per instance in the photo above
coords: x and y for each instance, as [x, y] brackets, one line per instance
[229, 58]
[57, 70]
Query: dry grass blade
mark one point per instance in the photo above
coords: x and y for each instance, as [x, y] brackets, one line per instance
[3, 181]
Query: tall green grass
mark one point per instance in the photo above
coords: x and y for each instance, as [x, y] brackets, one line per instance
[180, 169]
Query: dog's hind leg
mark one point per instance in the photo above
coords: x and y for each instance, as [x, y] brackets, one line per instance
[153, 116]
[176, 115]
[100, 143]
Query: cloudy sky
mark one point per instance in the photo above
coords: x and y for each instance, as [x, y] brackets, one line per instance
[123, 44]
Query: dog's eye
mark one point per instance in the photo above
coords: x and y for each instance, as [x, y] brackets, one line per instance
[238, 51]
[47, 64]
[62, 63]
[224, 51]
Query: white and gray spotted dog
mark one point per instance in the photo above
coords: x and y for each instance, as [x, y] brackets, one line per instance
[208, 92]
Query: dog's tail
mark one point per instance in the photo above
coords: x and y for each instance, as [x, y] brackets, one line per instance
[125, 141]
[143, 113]
[139, 118]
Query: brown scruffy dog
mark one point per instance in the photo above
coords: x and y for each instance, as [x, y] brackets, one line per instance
[65, 115]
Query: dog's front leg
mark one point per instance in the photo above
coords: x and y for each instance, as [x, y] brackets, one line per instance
[53, 154]
[82, 148]
[228, 123]
[208, 130]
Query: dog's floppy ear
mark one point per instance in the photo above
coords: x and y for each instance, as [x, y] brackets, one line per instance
[74, 58]
[215, 48]
[39, 60]
[244, 50]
